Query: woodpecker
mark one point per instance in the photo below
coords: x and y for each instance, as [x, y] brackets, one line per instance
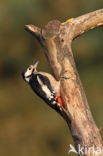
[45, 86]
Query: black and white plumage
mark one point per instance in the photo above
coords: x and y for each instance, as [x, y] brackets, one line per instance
[44, 85]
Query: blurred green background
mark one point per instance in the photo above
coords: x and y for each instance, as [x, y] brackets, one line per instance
[28, 127]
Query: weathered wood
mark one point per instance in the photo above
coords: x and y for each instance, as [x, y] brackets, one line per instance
[56, 38]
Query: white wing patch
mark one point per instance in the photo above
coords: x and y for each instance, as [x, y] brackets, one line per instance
[44, 87]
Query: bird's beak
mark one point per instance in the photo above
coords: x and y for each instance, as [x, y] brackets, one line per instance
[35, 66]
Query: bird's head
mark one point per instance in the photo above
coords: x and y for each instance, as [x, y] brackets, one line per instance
[29, 72]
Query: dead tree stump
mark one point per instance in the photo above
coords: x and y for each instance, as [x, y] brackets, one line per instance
[56, 38]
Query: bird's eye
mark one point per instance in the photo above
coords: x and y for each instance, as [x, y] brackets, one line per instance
[29, 68]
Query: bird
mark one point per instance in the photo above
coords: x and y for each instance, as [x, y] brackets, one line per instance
[45, 86]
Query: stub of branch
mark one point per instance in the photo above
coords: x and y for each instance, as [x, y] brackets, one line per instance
[35, 31]
[56, 38]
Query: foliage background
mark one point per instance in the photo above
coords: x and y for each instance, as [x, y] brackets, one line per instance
[28, 126]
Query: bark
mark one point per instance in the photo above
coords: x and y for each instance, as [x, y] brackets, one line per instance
[56, 38]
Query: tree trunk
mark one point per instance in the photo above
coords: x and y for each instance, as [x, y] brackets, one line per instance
[56, 38]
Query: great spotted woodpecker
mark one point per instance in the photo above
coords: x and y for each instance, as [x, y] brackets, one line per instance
[45, 86]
